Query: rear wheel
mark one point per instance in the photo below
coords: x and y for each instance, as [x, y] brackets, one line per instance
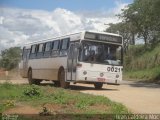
[63, 83]
[98, 85]
[30, 79]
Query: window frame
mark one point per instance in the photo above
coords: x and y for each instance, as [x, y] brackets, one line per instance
[53, 43]
[64, 47]
[35, 49]
[40, 53]
[55, 52]
[33, 55]
[49, 45]
[47, 54]
[67, 45]
[39, 47]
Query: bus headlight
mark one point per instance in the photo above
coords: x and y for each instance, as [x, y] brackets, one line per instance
[101, 74]
[117, 76]
[85, 72]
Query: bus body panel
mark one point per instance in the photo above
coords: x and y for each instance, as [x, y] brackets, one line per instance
[47, 68]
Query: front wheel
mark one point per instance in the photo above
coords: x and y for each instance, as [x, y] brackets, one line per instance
[31, 80]
[98, 85]
[63, 83]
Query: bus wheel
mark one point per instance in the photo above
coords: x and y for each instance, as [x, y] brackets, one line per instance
[30, 79]
[62, 80]
[37, 81]
[98, 85]
[57, 84]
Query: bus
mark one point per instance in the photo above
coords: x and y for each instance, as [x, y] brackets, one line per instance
[85, 57]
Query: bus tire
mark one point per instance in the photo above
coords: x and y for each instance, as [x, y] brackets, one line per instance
[30, 79]
[37, 81]
[98, 85]
[62, 79]
[57, 83]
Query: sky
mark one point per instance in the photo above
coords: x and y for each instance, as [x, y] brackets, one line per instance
[23, 21]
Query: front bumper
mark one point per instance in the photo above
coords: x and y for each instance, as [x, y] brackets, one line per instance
[109, 79]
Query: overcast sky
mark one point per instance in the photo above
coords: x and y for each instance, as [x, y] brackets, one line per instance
[23, 21]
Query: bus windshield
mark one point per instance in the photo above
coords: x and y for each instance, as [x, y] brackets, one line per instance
[101, 53]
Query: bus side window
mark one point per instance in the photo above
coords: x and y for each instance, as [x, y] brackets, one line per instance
[33, 52]
[47, 49]
[39, 51]
[55, 48]
[64, 46]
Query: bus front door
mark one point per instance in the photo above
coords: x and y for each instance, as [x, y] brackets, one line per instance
[72, 61]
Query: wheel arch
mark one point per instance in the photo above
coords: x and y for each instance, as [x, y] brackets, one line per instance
[29, 70]
[59, 71]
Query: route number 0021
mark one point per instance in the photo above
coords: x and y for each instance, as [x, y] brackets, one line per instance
[113, 69]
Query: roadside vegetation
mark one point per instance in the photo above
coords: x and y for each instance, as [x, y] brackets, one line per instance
[142, 63]
[140, 21]
[9, 58]
[51, 100]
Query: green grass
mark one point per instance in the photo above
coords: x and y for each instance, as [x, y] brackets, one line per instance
[70, 102]
[142, 62]
[150, 75]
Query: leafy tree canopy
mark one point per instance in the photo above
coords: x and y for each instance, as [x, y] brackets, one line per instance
[10, 58]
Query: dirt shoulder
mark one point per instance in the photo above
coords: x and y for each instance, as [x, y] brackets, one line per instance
[138, 97]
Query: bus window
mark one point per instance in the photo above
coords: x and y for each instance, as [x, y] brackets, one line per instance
[64, 47]
[55, 48]
[65, 43]
[40, 48]
[33, 52]
[33, 49]
[39, 51]
[101, 53]
[47, 49]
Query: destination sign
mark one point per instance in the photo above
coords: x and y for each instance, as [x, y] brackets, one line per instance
[103, 37]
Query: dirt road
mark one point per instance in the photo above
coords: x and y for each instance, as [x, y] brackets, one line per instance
[136, 96]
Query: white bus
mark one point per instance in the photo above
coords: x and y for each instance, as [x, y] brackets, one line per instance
[84, 57]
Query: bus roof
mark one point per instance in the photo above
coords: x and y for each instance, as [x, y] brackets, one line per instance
[78, 34]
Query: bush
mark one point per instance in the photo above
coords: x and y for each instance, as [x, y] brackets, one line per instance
[32, 91]
[9, 103]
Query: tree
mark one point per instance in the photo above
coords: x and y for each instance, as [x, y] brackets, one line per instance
[10, 58]
[124, 29]
[144, 16]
